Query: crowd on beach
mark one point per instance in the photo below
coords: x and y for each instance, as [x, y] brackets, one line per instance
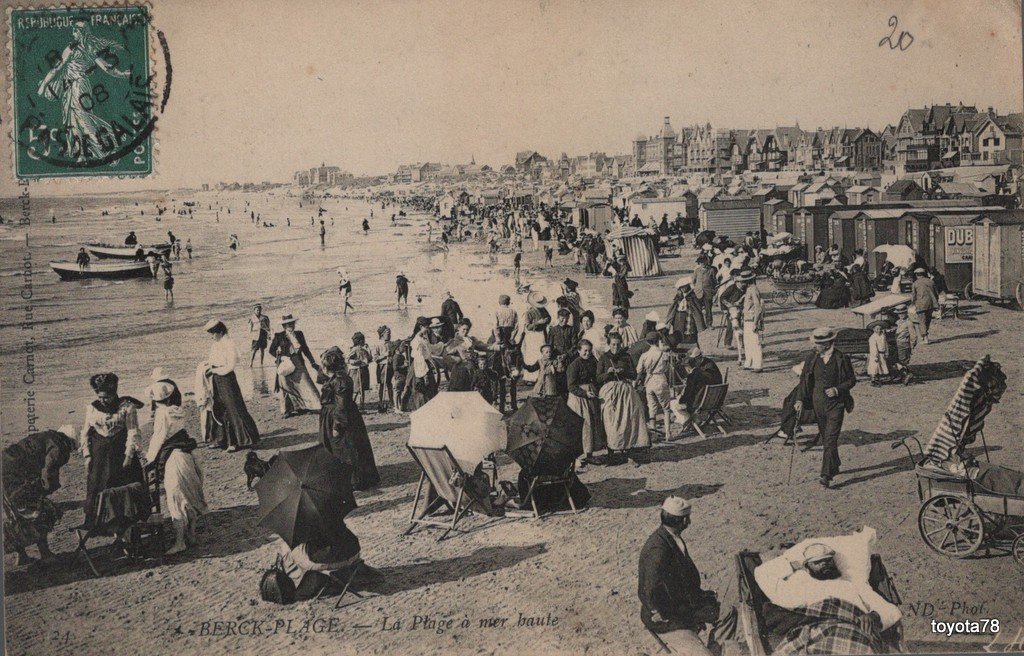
[629, 381]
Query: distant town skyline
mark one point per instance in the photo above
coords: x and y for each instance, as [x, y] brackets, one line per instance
[379, 85]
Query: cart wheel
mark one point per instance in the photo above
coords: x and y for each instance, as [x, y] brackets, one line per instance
[1018, 550]
[951, 525]
[804, 295]
[777, 297]
[969, 291]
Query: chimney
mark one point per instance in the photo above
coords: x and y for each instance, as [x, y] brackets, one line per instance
[666, 120]
[991, 112]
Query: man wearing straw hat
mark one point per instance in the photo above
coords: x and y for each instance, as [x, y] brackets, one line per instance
[673, 605]
[825, 383]
[753, 321]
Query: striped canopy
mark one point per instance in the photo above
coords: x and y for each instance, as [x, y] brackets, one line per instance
[980, 388]
[638, 243]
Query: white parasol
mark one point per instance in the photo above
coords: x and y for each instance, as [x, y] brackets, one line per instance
[900, 255]
[462, 421]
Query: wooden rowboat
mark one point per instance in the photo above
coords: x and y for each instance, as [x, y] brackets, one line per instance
[112, 252]
[101, 270]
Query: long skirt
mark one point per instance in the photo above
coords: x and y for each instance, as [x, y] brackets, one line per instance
[183, 483]
[298, 393]
[532, 342]
[106, 468]
[593, 425]
[623, 414]
[230, 424]
[351, 444]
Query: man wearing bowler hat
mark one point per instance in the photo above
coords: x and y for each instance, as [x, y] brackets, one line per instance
[825, 383]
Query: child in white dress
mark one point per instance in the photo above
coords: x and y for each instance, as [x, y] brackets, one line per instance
[878, 349]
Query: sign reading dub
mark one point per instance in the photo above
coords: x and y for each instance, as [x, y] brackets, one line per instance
[959, 244]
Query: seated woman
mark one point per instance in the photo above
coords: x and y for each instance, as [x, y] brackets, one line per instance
[31, 472]
[308, 563]
[109, 442]
[170, 453]
[834, 293]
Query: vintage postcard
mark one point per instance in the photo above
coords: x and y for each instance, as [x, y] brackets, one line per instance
[448, 327]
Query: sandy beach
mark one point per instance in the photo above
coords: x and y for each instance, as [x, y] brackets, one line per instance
[564, 584]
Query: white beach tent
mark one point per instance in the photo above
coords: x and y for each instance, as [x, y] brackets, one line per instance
[638, 244]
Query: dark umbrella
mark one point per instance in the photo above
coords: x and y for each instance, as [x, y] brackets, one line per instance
[305, 495]
[544, 436]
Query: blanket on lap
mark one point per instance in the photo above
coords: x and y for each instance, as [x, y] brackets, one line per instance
[834, 627]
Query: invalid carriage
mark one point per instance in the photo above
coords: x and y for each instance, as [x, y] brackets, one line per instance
[962, 512]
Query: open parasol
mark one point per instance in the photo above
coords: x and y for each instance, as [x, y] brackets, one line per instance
[305, 495]
[462, 421]
[900, 255]
[544, 436]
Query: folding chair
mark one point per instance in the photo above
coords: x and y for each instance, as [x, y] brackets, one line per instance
[438, 471]
[132, 506]
[343, 578]
[709, 410]
[544, 480]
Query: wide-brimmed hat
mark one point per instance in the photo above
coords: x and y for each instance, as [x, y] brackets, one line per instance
[882, 324]
[570, 283]
[685, 281]
[746, 275]
[536, 299]
[823, 335]
[287, 319]
[436, 323]
[257, 305]
[212, 325]
[652, 316]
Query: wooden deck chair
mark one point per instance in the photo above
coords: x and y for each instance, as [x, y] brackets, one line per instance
[129, 532]
[541, 480]
[438, 468]
[709, 409]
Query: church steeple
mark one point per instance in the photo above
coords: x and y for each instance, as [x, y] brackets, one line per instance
[472, 160]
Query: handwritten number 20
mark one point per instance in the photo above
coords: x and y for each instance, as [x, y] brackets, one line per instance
[904, 40]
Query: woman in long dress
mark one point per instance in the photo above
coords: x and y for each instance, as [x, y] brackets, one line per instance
[342, 431]
[228, 424]
[622, 409]
[537, 321]
[170, 453]
[296, 391]
[31, 472]
[110, 442]
[584, 401]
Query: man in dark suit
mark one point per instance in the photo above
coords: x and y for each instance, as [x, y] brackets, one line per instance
[672, 603]
[451, 311]
[825, 384]
[701, 371]
[704, 287]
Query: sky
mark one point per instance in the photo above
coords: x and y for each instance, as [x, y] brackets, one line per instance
[262, 87]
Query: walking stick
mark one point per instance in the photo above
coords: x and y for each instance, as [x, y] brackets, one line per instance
[792, 453]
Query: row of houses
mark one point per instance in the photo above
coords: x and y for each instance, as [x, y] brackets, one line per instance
[435, 171]
[704, 149]
[953, 135]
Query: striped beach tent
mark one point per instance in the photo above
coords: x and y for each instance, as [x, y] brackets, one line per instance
[964, 419]
[638, 244]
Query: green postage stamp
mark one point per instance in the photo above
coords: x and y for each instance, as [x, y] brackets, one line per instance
[83, 96]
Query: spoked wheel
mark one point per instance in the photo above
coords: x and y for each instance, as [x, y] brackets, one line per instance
[1018, 550]
[804, 295]
[778, 297]
[969, 291]
[951, 525]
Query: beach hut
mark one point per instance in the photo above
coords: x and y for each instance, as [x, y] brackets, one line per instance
[598, 216]
[810, 227]
[948, 245]
[998, 242]
[876, 227]
[842, 231]
[638, 244]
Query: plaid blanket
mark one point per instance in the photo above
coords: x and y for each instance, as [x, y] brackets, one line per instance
[837, 627]
[982, 386]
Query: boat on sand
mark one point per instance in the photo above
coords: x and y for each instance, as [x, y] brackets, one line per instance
[101, 270]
